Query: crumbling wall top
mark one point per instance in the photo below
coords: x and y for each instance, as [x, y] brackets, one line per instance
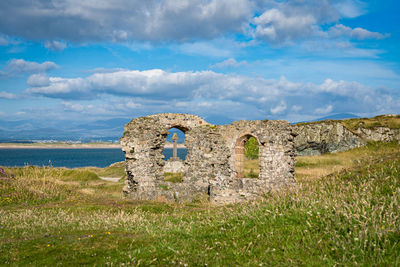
[183, 122]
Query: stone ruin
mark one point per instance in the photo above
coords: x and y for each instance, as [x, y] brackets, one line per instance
[214, 165]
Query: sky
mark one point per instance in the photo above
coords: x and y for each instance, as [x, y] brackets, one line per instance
[76, 61]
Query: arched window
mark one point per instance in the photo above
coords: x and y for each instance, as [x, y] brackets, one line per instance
[174, 154]
[175, 138]
[246, 157]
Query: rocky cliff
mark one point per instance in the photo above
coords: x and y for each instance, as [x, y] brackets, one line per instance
[324, 137]
[379, 134]
[316, 138]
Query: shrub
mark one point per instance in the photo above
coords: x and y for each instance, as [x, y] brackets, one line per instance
[251, 148]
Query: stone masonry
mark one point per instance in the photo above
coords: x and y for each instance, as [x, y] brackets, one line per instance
[213, 168]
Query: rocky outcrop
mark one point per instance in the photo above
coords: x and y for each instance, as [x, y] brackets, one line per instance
[324, 137]
[214, 165]
[316, 138]
[384, 134]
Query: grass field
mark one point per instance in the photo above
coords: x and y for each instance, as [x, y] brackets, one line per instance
[344, 211]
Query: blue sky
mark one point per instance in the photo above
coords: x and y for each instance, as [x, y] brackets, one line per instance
[78, 61]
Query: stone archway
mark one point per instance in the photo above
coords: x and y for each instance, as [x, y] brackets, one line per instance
[174, 167]
[239, 154]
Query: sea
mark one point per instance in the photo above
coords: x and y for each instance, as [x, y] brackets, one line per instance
[69, 158]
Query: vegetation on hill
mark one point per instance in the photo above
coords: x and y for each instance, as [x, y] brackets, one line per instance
[390, 121]
[344, 211]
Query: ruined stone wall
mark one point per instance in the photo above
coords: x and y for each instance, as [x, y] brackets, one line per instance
[210, 169]
[276, 159]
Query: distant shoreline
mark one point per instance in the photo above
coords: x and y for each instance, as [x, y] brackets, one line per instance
[67, 146]
[57, 146]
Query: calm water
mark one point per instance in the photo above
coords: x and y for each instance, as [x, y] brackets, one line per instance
[70, 158]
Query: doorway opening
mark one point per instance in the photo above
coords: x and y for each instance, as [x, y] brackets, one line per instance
[247, 163]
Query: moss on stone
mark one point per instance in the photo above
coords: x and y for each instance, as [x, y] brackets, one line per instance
[163, 187]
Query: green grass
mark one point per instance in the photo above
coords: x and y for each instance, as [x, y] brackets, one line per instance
[392, 122]
[79, 175]
[114, 170]
[173, 177]
[345, 211]
[313, 167]
[251, 168]
[250, 174]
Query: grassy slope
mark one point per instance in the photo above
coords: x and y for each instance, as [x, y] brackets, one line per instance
[345, 210]
[390, 121]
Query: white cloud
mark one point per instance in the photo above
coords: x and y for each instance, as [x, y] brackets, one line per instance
[63, 88]
[287, 21]
[104, 70]
[153, 83]
[143, 23]
[324, 110]
[371, 72]
[55, 45]
[279, 109]
[6, 95]
[38, 80]
[204, 49]
[283, 22]
[69, 106]
[123, 20]
[109, 107]
[361, 34]
[20, 66]
[276, 27]
[132, 105]
[3, 41]
[296, 108]
[343, 88]
[357, 33]
[229, 63]
[350, 8]
[161, 90]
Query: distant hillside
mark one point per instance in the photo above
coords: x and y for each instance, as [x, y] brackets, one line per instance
[112, 129]
[339, 116]
[101, 130]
